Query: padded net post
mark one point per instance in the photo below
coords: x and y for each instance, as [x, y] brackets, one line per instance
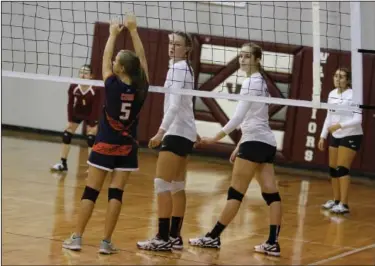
[356, 45]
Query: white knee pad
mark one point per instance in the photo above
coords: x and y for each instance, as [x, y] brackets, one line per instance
[161, 185]
[177, 186]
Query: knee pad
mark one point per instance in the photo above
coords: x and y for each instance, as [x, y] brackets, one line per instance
[90, 194]
[333, 172]
[234, 194]
[177, 186]
[161, 185]
[342, 171]
[67, 137]
[90, 140]
[271, 197]
[115, 193]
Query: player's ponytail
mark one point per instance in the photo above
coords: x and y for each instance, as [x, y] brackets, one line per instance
[132, 67]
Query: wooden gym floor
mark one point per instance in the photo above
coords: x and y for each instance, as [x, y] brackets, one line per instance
[39, 210]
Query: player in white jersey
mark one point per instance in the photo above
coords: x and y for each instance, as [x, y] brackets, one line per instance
[177, 134]
[254, 155]
[346, 137]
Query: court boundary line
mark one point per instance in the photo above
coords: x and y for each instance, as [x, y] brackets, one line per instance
[342, 255]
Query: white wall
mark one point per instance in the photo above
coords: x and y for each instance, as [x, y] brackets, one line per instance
[34, 104]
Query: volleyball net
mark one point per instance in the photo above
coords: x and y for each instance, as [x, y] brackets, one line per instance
[44, 44]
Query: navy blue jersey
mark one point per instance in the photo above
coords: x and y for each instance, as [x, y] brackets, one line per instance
[118, 124]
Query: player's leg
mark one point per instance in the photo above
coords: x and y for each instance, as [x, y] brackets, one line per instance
[332, 153]
[171, 158]
[115, 193]
[99, 166]
[270, 192]
[346, 153]
[94, 184]
[124, 164]
[65, 148]
[242, 174]
[179, 206]
[250, 156]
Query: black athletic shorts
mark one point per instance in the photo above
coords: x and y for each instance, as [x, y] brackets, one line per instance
[351, 142]
[88, 122]
[178, 145]
[257, 152]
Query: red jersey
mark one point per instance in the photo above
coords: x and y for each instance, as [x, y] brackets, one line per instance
[84, 105]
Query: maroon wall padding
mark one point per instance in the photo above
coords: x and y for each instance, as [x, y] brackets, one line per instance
[368, 146]
[297, 134]
[298, 118]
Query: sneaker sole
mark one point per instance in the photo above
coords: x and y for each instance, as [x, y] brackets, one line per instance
[154, 249]
[74, 248]
[205, 246]
[270, 253]
[178, 247]
[106, 252]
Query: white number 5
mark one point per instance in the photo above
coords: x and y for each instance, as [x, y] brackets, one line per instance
[125, 111]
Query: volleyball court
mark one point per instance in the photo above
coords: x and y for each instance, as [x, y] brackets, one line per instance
[308, 50]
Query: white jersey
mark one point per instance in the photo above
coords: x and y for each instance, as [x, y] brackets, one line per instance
[178, 109]
[350, 121]
[253, 116]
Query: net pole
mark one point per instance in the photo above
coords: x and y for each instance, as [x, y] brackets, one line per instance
[356, 56]
[316, 55]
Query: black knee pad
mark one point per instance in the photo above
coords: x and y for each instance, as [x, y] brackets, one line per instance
[67, 137]
[271, 197]
[90, 194]
[342, 171]
[234, 194]
[115, 193]
[333, 172]
[90, 140]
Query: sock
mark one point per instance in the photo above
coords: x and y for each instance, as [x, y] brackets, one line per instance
[63, 161]
[274, 233]
[337, 202]
[164, 228]
[218, 229]
[176, 226]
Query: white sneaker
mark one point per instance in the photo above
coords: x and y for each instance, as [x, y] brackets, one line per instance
[265, 248]
[340, 209]
[155, 244]
[73, 243]
[205, 242]
[329, 205]
[59, 167]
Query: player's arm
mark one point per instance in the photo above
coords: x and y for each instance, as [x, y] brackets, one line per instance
[114, 29]
[178, 81]
[131, 24]
[355, 121]
[250, 87]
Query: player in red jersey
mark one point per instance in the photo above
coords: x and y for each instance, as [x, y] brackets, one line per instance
[84, 104]
[116, 148]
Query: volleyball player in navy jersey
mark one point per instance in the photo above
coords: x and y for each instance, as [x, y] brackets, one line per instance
[115, 149]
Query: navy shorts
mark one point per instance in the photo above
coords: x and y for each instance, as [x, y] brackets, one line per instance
[257, 152]
[178, 145]
[351, 142]
[111, 163]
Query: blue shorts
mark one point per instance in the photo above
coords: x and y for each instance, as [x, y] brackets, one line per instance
[111, 163]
